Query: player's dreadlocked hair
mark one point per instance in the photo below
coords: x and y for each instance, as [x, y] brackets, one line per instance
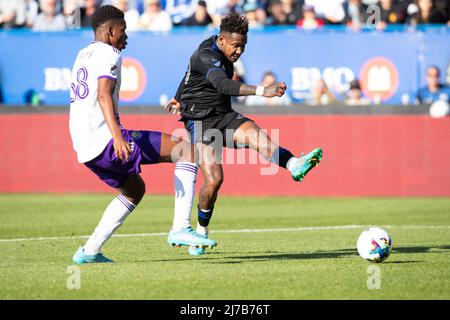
[106, 13]
[234, 23]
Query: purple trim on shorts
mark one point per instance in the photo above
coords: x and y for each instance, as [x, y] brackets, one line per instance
[126, 203]
[107, 77]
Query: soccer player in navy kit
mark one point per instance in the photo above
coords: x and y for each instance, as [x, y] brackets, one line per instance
[204, 101]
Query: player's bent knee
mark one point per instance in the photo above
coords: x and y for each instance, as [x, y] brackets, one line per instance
[134, 191]
[141, 191]
[137, 197]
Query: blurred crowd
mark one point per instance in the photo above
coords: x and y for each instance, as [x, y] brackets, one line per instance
[436, 90]
[163, 15]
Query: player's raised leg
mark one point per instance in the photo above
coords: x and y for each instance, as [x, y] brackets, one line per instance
[173, 149]
[251, 135]
[130, 194]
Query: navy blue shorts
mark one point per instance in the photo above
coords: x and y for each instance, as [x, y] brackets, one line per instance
[207, 130]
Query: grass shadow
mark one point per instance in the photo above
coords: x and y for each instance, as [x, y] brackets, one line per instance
[402, 262]
[420, 249]
[298, 256]
[341, 253]
[217, 257]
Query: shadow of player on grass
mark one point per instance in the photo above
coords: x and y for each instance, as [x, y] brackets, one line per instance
[341, 253]
[225, 258]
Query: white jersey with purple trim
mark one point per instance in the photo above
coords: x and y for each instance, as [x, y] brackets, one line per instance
[88, 129]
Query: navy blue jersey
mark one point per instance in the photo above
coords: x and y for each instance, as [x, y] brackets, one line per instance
[207, 83]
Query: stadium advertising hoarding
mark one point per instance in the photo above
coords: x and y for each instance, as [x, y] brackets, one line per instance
[391, 66]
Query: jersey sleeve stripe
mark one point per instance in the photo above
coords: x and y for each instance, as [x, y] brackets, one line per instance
[107, 77]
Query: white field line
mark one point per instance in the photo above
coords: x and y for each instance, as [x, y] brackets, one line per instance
[298, 229]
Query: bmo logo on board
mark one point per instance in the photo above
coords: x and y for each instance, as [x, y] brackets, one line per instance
[379, 79]
[134, 79]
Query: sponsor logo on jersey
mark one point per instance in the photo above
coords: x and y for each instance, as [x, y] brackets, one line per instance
[114, 70]
[216, 62]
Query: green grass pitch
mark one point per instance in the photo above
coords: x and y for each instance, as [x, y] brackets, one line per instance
[280, 258]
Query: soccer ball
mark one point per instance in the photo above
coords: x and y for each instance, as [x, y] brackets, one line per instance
[374, 244]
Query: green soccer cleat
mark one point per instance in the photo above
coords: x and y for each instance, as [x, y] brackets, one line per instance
[305, 163]
[80, 258]
[188, 237]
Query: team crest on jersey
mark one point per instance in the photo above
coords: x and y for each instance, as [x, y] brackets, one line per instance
[136, 135]
[114, 70]
[216, 62]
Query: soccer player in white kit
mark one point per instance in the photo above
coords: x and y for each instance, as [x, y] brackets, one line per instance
[115, 154]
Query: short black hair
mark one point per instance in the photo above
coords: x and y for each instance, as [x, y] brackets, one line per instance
[104, 14]
[234, 23]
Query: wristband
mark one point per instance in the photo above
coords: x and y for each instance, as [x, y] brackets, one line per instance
[259, 90]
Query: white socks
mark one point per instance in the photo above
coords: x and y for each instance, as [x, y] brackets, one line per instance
[184, 183]
[115, 214]
[201, 230]
[290, 165]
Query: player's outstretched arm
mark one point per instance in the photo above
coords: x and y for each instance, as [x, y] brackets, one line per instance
[226, 86]
[276, 90]
[122, 149]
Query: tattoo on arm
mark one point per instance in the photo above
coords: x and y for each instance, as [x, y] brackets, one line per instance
[247, 90]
